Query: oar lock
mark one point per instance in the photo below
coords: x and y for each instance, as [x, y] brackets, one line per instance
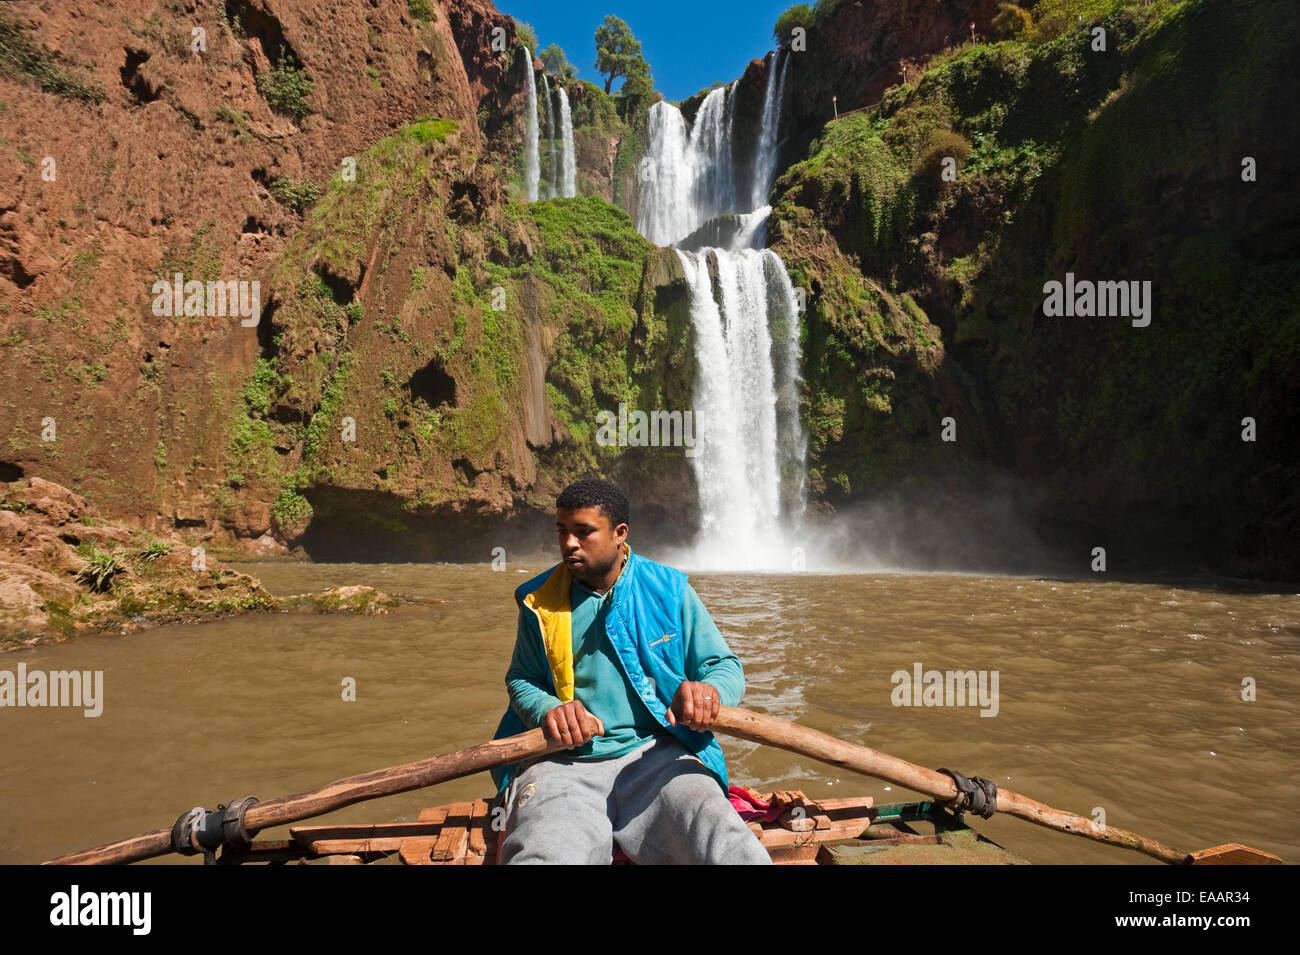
[207, 830]
[976, 794]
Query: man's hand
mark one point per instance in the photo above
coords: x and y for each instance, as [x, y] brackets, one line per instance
[571, 724]
[695, 705]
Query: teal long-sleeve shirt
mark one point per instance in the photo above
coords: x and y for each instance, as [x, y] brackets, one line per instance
[599, 682]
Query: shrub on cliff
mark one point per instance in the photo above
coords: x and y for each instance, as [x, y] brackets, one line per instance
[525, 34]
[421, 10]
[286, 87]
[298, 194]
[1012, 22]
[942, 144]
[799, 15]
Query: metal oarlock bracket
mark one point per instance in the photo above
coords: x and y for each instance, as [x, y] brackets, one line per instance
[207, 830]
[975, 794]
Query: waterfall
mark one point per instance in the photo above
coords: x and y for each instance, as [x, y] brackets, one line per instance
[532, 163]
[687, 179]
[568, 180]
[750, 447]
[765, 157]
[550, 134]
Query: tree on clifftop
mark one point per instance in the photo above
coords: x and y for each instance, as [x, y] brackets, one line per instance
[618, 52]
[555, 61]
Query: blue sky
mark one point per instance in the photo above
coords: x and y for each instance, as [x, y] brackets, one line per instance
[689, 45]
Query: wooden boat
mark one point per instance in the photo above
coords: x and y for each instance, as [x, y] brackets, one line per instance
[805, 832]
[841, 831]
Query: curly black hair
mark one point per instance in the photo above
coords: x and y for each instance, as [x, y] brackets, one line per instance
[593, 493]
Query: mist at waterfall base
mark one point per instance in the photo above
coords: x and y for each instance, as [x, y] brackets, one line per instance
[957, 531]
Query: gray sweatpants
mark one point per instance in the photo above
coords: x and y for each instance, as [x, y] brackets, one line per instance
[658, 803]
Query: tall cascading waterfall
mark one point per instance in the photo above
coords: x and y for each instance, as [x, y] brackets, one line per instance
[532, 161]
[550, 135]
[750, 445]
[568, 171]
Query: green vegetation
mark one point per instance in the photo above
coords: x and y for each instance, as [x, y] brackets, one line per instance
[1012, 23]
[526, 35]
[430, 130]
[811, 18]
[555, 61]
[298, 194]
[325, 421]
[261, 388]
[237, 120]
[591, 261]
[289, 509]
[153, 550]
[82, 269]
[252, 440]
[348, 213]
[21, 58]
[618, 52]
[197, 258]
[100, 569]
[799, 15]
[286, 87]
[421, 10]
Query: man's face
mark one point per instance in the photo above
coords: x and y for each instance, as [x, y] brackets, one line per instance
[588, 544]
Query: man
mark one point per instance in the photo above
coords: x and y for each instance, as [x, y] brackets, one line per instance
[616, 658]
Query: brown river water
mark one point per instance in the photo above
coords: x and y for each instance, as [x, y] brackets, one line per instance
[1123, 696]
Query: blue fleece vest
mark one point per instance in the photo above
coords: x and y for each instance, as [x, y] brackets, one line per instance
[646, 608]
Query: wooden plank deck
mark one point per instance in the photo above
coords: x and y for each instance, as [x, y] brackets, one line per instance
[462, 834]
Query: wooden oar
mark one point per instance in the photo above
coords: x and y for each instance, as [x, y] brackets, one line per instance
[336, 795]
[733, 721]
[860, 759]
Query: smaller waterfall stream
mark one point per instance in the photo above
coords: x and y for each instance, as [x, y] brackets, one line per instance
[561, 179]
[765, 159]
[550, 137]
[532, 161]
[568, 171]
